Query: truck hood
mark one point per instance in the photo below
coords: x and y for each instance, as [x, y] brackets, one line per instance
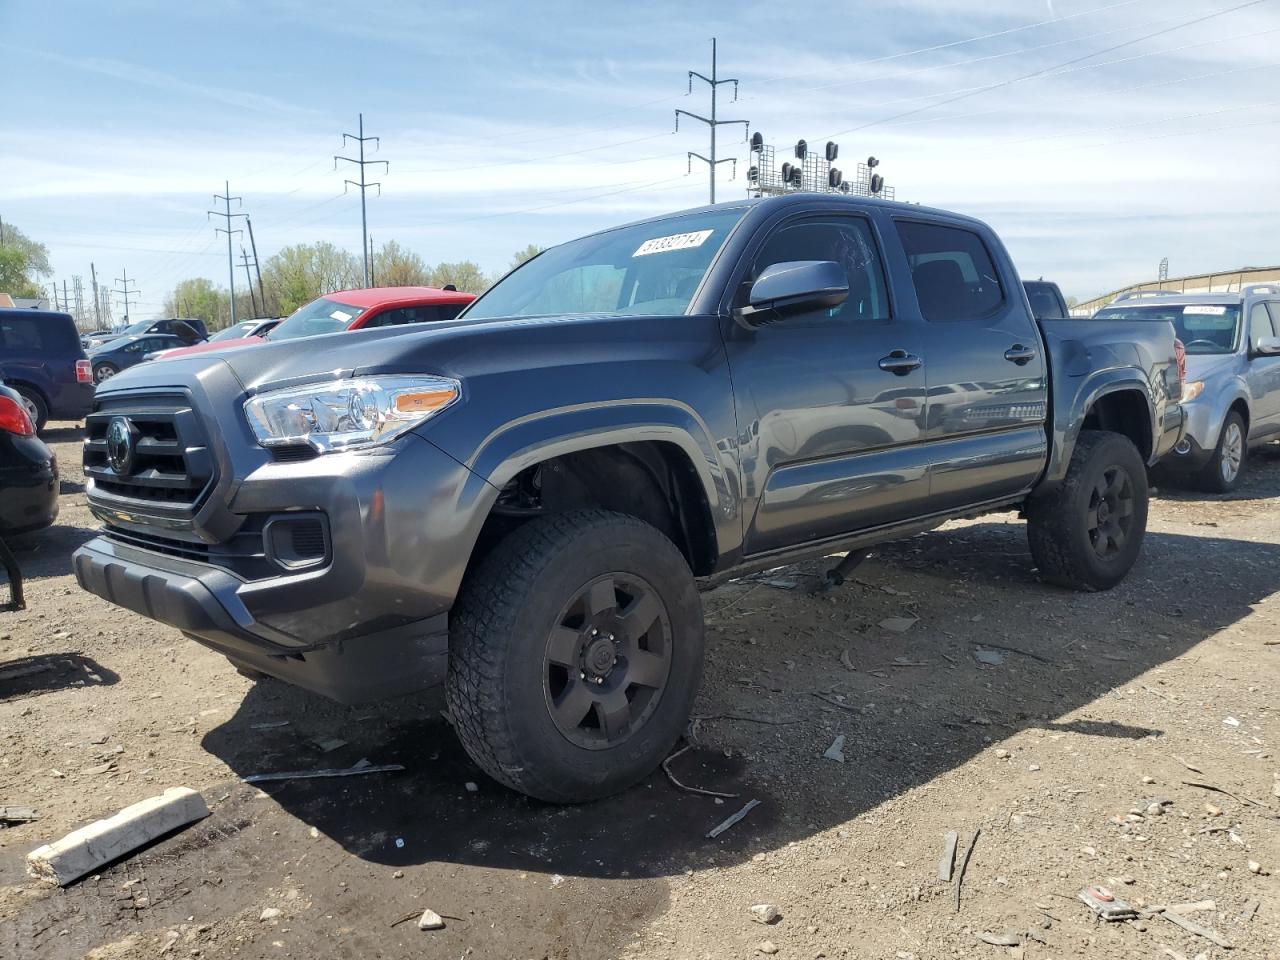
[459, 349]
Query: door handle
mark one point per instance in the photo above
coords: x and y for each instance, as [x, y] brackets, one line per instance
[900, 363]
[1020, 355]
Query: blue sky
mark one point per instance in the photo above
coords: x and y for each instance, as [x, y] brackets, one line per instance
[506, 124]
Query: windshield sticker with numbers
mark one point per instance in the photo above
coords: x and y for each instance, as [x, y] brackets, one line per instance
[678, 241]
[1204, 310]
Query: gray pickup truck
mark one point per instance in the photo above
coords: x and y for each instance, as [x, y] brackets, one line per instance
[524, 502]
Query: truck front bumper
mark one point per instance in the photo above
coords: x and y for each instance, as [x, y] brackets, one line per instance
[364, 618]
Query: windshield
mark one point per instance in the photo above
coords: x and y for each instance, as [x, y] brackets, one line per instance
[1203, 328]
[325, 315]
[649, 268]
[231, 333]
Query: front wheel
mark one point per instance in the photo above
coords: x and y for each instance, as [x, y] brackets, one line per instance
[1222, 472]
[1087, 533]
[575, 653]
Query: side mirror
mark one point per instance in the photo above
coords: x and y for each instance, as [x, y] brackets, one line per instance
[1267, 346]
[794, 287]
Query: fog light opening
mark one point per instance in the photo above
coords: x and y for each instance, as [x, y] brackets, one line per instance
[1183, 447]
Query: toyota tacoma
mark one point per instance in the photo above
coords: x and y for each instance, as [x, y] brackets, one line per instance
[524, 502]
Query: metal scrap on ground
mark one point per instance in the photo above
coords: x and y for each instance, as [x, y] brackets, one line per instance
[728, 822]
[947, 863]
[364, 766]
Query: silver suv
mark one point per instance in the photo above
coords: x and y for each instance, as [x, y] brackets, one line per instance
[1232, 391]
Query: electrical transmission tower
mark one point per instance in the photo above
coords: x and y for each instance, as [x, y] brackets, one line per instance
[104, 307]
[227, 216]
[363, 184]
[124, 290]
[1164, 269]
[714, 82]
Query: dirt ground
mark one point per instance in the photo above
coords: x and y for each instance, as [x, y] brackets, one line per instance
[1049, 721]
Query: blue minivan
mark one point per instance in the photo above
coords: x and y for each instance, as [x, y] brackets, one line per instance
[41, 358]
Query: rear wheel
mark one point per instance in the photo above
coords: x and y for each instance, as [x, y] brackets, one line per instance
[35, 406]
[1088, 532]
[1222, 472]
[575, 653]
[104, 371]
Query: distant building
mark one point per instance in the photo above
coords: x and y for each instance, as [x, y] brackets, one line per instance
[1223, 281]
[24, 303]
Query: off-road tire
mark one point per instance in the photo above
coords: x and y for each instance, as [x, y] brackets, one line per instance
[1210, 478]
[499, 644]
[1058, 523]
[37, 404]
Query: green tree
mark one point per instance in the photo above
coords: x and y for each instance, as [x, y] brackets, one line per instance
[23, 262]
[199, 298]
[466, 275]
[528, 253]
[393, 266]
[298, 274]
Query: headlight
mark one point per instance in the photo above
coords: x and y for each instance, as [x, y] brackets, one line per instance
[348, 414]
[1192, 389]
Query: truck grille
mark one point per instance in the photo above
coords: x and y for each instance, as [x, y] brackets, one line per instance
[167, 462]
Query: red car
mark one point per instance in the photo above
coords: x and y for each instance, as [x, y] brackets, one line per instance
[350, 310]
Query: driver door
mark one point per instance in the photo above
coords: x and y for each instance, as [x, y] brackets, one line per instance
[830, 403]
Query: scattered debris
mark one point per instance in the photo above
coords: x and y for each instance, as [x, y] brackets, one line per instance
[430, 920]
[836, 750]
[947, 863]
[767, 946]
[837, 703]
[666, 768]
[269, 913]
[1255, 867]
[471, 786]
[964, 865]
[82, 851]
[1106, 904]
[1017, 650]
[765, 913]
[730, 821]
[1249, 910]
[1217, 789]
[992, 658]
[364, 766]
[268, 725]
[1231, 721]
[10, 814]
[1190, 766]
[1213, 810]
[847, 660]
[1006, 939]
[330, 744]
[1195, 928]
[781, 583]
[899, 624]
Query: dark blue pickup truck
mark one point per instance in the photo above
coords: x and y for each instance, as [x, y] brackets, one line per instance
[525, 500]
[41, 357]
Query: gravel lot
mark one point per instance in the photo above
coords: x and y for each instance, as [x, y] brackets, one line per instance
[1099, 705]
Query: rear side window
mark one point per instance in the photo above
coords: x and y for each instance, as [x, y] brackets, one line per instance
[39, 333]
[953, 274]
[429, 313]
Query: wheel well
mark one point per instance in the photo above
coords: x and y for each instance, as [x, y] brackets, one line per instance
[1242, 408]
[27, 385]
[1124, 412]
[653, 481]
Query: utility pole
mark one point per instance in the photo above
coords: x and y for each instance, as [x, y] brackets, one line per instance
[363, 184]
[124, 290]
[714, 82]
[373, 280]
[248, 279]
[226, 198]
[97, 306]
[262, 294]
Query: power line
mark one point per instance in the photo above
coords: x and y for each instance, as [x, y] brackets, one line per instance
[1044, 70]
[124, 290]
[363, 184]
[227, 216]
[712, 123]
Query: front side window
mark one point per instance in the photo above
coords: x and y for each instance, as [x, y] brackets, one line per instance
[1203, 328]
[423, 313]
[845, 240]
[1259, 324]
[324, 315]
[952, 271]
[647, 268]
